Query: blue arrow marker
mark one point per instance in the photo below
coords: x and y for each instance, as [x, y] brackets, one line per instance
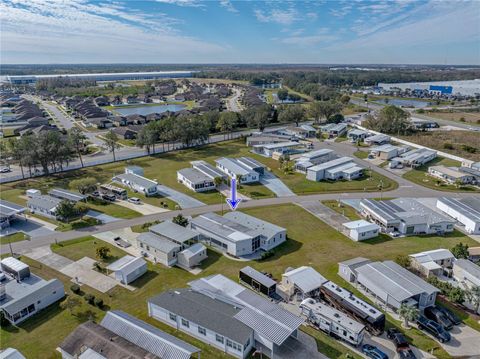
[233, 202]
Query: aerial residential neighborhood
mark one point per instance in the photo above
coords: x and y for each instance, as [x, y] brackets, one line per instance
[237, 179]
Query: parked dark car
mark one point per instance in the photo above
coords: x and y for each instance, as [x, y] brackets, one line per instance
[401, 344]
[109, 197]
[433, 328]
[449, 314]
[373, 352]
[435, 314]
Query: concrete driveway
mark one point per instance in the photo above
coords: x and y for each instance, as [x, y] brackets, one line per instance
[143, 208]
[465, 342]
[326, 214]
[182, 199]
[275, 185]
[387, 346]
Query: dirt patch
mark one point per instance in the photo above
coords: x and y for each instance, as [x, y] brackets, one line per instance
[467, 117]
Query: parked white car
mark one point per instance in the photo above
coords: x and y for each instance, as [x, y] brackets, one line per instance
[134, 200]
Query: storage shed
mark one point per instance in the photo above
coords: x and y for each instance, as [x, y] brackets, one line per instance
[258, 281]
[128, 268]
[15, 267]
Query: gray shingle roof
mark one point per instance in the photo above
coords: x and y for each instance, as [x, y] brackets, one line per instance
[147, 337]
[194, 175]
[44, 201]
[205, 311]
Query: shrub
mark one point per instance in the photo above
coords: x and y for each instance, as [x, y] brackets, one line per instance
[448, 146]
[267, 254]
[99, 302]
[90, 298]
[75, 288]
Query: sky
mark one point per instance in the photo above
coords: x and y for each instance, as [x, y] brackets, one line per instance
[226, 31]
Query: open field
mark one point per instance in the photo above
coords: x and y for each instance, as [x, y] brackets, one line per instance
[465, 144]
[465, 117]
[420, 176]
[320, 246]
[352, 109]
[11, 238]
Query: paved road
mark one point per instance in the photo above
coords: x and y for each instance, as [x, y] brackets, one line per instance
[233, 102]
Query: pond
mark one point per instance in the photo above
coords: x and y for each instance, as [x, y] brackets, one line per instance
[147, 109]
[405, 103]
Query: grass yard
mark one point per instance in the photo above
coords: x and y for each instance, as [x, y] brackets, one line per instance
[457, 116]
[361, 154]
[342, 209]
[352, 109]
[12, 238]
[420, 176]
[320, 246]
[464, 144]
[77, 224]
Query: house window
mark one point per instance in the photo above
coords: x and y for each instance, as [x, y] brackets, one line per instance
[219, 338]
[173, 317]
[202, 331]
[246, 344]
[229, 343]
[185, 323]
[148, 248]
[141, 244]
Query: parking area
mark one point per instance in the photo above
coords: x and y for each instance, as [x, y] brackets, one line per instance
[183, 200]
[465, 342]
[142, 207]
[275, 185]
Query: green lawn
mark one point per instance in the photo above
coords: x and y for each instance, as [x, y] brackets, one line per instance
[320, 246]
[342, 209]
[361, 154]
[12, 238]
[77, 224]
[420, 176]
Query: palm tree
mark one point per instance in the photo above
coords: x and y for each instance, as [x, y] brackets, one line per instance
[111, 140]
[77, 139]
[408, 314]
[473, 296]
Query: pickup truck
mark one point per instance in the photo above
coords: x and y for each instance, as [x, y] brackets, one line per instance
[401, 344]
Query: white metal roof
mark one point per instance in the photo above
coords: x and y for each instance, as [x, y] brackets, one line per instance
[362, 226]
[127, 264]
[305, 278]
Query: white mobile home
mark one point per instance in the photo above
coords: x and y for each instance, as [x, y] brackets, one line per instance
[304, 282]
[235, 169]
[467, 273]
[340, 168]
[137, 183]
[451, 175]
[432, 262]
[332, 321]
[195, 180]
[271, 149]
[377, 140]
[361, 230]
[44, 205]
[387, 151]
[465, 210]
[158, 249]
[310, 159]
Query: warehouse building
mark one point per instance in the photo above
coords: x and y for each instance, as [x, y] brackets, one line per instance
[337, 169]
[238, 233]
[465, 210]
[405, 216]
[391, 284]
[23, 294]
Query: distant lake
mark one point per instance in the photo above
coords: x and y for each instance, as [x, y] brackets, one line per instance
[405, 103]
[146, 110]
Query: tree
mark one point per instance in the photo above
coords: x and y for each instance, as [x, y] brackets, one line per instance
[403, 260]
[180, 220]
[324, 109]
[282, 94]
[291, 113]
[391, 120]
[408, 314]
[84, 185]
[218, 181]
[456, 295]
[111, 141]
[77, 139]
[473, 296]
[70, 303]
[460, 250]
[66, 210]
[345, 99]
[337, 118]
[227, 122]
[102, 252]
